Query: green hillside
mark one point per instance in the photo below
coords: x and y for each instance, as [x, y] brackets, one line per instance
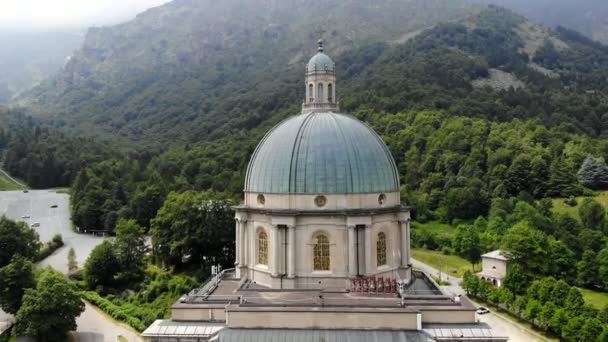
[8, 184]
[561, 206]
[182, 71]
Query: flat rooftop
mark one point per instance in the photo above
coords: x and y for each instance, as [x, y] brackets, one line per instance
[421, 293]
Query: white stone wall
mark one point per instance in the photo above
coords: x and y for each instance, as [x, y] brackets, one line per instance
[494, 267]
[279, 273]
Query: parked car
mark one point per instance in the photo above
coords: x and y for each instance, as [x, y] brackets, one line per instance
[54, 206]
[24, 217]
[36, 224]
[482, 311]
[25, 191]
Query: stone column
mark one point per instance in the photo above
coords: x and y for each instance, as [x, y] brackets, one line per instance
[368, 249]
[404, 244]
[237, 243]
[276, 250]
[243, 243]
[291, 251]
[352, 251]
[409, 243]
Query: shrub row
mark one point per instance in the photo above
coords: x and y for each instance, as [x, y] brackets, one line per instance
[113, 310]
[50, 247]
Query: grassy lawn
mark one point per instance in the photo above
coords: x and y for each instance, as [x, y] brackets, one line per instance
[595, 298]
[561, 208]
[438, 260]
[435, 227]
[7, 184]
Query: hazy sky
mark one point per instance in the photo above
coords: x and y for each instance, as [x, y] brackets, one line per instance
[58, 14]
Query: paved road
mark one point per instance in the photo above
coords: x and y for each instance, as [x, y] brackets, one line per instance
[500, 325]
[101, 328]
[37, 205]
[92, 325]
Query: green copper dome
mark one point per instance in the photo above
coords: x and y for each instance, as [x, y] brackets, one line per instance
[320, 63]
[322, 153]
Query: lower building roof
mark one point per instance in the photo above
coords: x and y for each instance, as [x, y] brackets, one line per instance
[179, 329]
[316, 335]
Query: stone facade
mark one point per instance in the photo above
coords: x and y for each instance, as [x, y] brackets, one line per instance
[353, 224]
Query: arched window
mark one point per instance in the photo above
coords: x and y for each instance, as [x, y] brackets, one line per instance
[320, 96]
[381, 249]
[330, 93]
[262, 248]
[311, 94]
[321, 253]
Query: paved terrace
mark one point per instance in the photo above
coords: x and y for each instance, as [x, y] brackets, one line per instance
[420, 294]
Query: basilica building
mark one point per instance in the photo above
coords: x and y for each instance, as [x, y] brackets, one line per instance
[322, 202]
[322, 244]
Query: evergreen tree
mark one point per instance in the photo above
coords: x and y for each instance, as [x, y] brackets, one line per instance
[593, 173]
[72, 263]
[562, 181]
[588, 270]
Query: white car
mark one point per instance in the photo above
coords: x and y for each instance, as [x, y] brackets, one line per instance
[36, 224]
[482, 311]
[24, 217]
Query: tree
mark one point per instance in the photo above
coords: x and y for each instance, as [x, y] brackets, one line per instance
[562, 181]
[17, 238]
[194, 228]
[526, 246]
[516, 280]
[546, 313]
[533, 309]
[466, 202]
[130, 248]
[562, 259]
[591, 240]
[591, 330]
[466, 243]
[592, 214]
[571, 332]
[102, 266]
[593, 173]
[588, 269]
[15, 278]
[470, 283]
[72, 263]
[574, 301]
[559, 320]
[49, 311]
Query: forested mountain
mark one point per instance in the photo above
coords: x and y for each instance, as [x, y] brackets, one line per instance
[182, 70]
[586, 16]
[27, 58]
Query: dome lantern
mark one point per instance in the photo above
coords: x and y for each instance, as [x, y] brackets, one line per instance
[320, 83]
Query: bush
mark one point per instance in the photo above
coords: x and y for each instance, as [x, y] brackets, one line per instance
[571, 201]
[50, 247]
[447, 250]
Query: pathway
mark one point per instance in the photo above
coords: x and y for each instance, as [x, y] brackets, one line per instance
[95, 326]
[501, 325]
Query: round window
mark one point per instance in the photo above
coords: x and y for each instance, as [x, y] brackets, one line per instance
[261, 199]
[382, 199]
[320, 201]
